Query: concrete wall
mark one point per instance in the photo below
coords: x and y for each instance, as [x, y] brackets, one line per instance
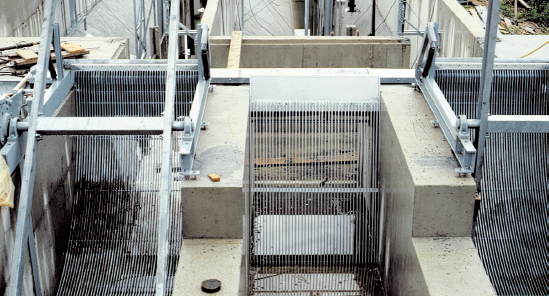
[51, 208]
[222, 17]
[24, 18]
[462, 35]
[215, 209]
[427, 208]
[19, 18]
[315, 52]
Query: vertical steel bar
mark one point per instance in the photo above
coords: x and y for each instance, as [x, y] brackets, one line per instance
[135, 30]
[166, 177]
[306, 17]
[27, 182]
[328, 4]
[34, 259]
[57, 48]
[483, 107]
[242, 17]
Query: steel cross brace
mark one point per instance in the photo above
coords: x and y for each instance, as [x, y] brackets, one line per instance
[28, 170]
[455, 129]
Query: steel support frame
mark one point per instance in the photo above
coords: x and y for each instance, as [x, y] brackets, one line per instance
[141, 21]
[77, 18]
[459, 140]
[456, 128]
[28, 171]
[166, 178]
[486, 77]
[193, 122]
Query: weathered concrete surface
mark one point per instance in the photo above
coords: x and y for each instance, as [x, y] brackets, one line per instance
[203, 259]
[451, 266]
[515, 46]
[315, 52]
[421, 194]
[215, 209]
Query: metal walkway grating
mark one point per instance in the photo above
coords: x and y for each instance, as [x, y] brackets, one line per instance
[112, 246]
[314, 204]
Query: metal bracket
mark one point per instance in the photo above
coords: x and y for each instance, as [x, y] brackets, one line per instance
[193, 123]
[204, 59]
[455, 129]
[186, 31]
[402, 19]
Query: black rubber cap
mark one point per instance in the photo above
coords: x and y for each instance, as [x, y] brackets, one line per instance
[211, 286]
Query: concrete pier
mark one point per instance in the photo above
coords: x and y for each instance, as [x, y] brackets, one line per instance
[427, 208]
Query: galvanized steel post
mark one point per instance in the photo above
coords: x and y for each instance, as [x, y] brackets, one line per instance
[483, 107]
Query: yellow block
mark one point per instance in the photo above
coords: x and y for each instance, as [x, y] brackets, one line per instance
[6, 185]
[214, 177]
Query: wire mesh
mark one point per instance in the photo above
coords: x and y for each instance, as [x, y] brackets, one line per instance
[313, 212]
[113, 239]
[512, 222]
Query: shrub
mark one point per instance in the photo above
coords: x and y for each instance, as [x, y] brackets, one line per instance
[539, 12]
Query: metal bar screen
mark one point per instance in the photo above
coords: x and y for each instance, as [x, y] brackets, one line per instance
[313, 204]
[511, 227]
[113, 240]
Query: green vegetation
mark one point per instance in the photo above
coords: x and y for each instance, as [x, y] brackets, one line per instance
[539, 12]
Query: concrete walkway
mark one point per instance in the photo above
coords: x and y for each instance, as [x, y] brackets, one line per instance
[515, 46]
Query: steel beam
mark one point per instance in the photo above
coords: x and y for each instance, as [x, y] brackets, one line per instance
[56, 93]
[27, 183]
[518, 124]
[57, 48]
[307, 17]
[499, 64]
[166, 174]
[34, 258]
[96, 125]
[486, 77]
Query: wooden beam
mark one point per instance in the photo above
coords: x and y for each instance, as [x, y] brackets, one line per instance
[234, 50]
[72, 48]
[27, 55]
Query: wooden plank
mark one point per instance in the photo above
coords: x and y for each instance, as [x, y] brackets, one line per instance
[23, 62]
[27, 54]
[286, 161]
[234, 50]
[71, 47]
